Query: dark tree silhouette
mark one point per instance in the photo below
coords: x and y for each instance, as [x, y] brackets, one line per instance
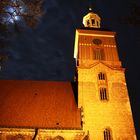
[13, 11]
[16, 15]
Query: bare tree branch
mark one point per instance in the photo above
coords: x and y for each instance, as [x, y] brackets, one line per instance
[28, 10]
[13, 12]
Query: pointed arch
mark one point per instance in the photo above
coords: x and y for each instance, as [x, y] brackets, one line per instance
[107, 134]
[58, 138]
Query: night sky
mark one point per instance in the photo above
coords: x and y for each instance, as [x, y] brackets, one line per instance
[46, 52]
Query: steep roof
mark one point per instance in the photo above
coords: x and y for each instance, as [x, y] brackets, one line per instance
[38, 104]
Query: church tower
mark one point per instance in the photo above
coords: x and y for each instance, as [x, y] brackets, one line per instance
[102, 90]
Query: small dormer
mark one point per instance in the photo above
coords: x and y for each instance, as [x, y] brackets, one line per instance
[91, 20]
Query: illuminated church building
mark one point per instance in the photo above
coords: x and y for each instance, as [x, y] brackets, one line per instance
[47, 110]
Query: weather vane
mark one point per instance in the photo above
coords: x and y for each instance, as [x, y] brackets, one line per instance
[90, 6]
[90, 9]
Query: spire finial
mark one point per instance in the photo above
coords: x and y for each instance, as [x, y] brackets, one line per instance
[90, 9]
[90, 6]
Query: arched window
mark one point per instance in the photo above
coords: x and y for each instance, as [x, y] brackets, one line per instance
[97, 23]
[98, 54]
[93, 21]
[88, 23]
[101, 76]
[103, 87]
[107, 134]
[58, 138]
[103, 93]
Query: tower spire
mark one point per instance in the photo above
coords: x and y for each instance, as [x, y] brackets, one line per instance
[91, 20]
[90, 9]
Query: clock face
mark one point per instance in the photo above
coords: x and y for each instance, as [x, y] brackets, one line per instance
[97, 41]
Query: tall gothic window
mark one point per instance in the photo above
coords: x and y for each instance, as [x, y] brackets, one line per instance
[88, 23]
[107, 134]
[101, 76]
[98, 54]
[93, 21]
[103, 94]
[103, 88]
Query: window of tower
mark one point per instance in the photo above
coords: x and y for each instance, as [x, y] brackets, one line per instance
[88, 23]
[93, 21]
[97, 23]
[98, 54]
[103, 94]
[101, 76]
[107, 134]
[15, 137]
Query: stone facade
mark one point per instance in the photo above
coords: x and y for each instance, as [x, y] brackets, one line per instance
[108, 117]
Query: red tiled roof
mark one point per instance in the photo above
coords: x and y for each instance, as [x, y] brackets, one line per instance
[38, 104]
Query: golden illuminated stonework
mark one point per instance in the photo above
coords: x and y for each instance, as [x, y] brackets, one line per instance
[102, 89]
[47, 110]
